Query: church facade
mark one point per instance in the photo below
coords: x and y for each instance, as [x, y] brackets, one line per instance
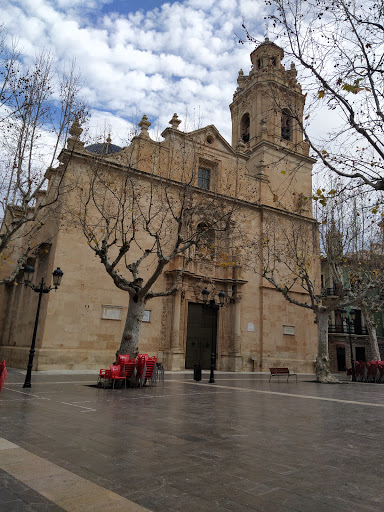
[265, 173]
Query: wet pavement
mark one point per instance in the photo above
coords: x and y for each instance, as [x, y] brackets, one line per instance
[241, 444]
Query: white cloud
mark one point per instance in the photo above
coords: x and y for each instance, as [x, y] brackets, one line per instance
[179, 57]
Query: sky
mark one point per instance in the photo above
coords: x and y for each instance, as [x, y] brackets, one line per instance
[144, 57]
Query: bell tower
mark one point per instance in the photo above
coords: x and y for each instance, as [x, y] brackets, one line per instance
[266, 108]
[267, 101]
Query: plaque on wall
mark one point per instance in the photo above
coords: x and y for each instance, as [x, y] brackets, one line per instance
[111, 312]
[289, 329]
[146, 316]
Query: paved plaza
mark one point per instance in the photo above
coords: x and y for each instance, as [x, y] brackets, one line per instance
[240, 445]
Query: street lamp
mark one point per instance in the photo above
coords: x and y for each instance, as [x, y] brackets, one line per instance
[42, 288]
[214, 307]
[350, 319]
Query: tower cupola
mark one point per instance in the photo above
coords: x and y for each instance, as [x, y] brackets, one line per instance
[267, 57]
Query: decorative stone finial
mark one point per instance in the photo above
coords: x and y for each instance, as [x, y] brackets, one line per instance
[241, 147]
[75, 131]
[109, 140]
[144, 125]
[175, 121]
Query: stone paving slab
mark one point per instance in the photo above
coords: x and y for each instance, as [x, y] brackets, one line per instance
[241, 444]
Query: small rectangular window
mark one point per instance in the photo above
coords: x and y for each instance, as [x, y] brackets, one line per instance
[203, 178]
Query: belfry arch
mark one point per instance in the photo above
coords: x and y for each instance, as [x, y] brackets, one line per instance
[245, 124]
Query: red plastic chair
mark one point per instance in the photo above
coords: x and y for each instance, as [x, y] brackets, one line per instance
[381, 372]
[372, 371]
[117, 375]
[129, 368]
[3, 374]
[150, 371]
[141, 369]
[104, 376]
[122, 359]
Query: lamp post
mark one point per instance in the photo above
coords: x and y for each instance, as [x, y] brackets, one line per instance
[42, 288]
[350, 318]
[214, 307]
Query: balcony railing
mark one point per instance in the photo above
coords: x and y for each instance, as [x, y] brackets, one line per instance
[329, 292]
[343, 329]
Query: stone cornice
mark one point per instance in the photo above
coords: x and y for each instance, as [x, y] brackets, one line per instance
[240, 202]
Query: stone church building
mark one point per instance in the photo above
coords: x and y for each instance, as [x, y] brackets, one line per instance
[265, 172]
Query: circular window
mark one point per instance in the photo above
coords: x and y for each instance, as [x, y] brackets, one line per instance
[210, 138]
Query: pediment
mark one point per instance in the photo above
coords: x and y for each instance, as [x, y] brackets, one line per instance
[211, 137]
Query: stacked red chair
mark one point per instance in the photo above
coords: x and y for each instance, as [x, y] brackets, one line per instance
[121, 360]
[359, 371]
[141, 369]
[127, 366]
[372, 372]
[381, 371]
[150, 371]
[3, 374]
[137, 371]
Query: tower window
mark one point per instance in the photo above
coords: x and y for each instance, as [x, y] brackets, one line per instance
[286, 125]
[244, 127]
[203, 178]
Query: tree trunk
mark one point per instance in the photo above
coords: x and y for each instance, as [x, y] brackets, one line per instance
[130, 340]
[372, 333]
[323, 373]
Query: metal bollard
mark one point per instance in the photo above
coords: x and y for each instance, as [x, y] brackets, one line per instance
[197, 372]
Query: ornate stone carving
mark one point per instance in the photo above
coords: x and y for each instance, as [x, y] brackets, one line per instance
[75, 131]
[163, 341]
[144, 125]
[175, 121]
[241, 147]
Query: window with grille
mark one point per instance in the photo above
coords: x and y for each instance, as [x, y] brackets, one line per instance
[203, 179]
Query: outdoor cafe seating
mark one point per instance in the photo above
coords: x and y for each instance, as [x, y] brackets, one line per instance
[137, 372]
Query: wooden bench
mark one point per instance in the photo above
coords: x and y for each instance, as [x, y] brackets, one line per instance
[276, 372]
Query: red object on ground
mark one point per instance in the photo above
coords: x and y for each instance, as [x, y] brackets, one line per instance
[117, 374]
[3, 374]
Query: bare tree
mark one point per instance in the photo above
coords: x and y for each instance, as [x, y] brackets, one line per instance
[289, 261]
[338, 47]
[365, 268]
[37, 106]
[139, 224]
[351, 220]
